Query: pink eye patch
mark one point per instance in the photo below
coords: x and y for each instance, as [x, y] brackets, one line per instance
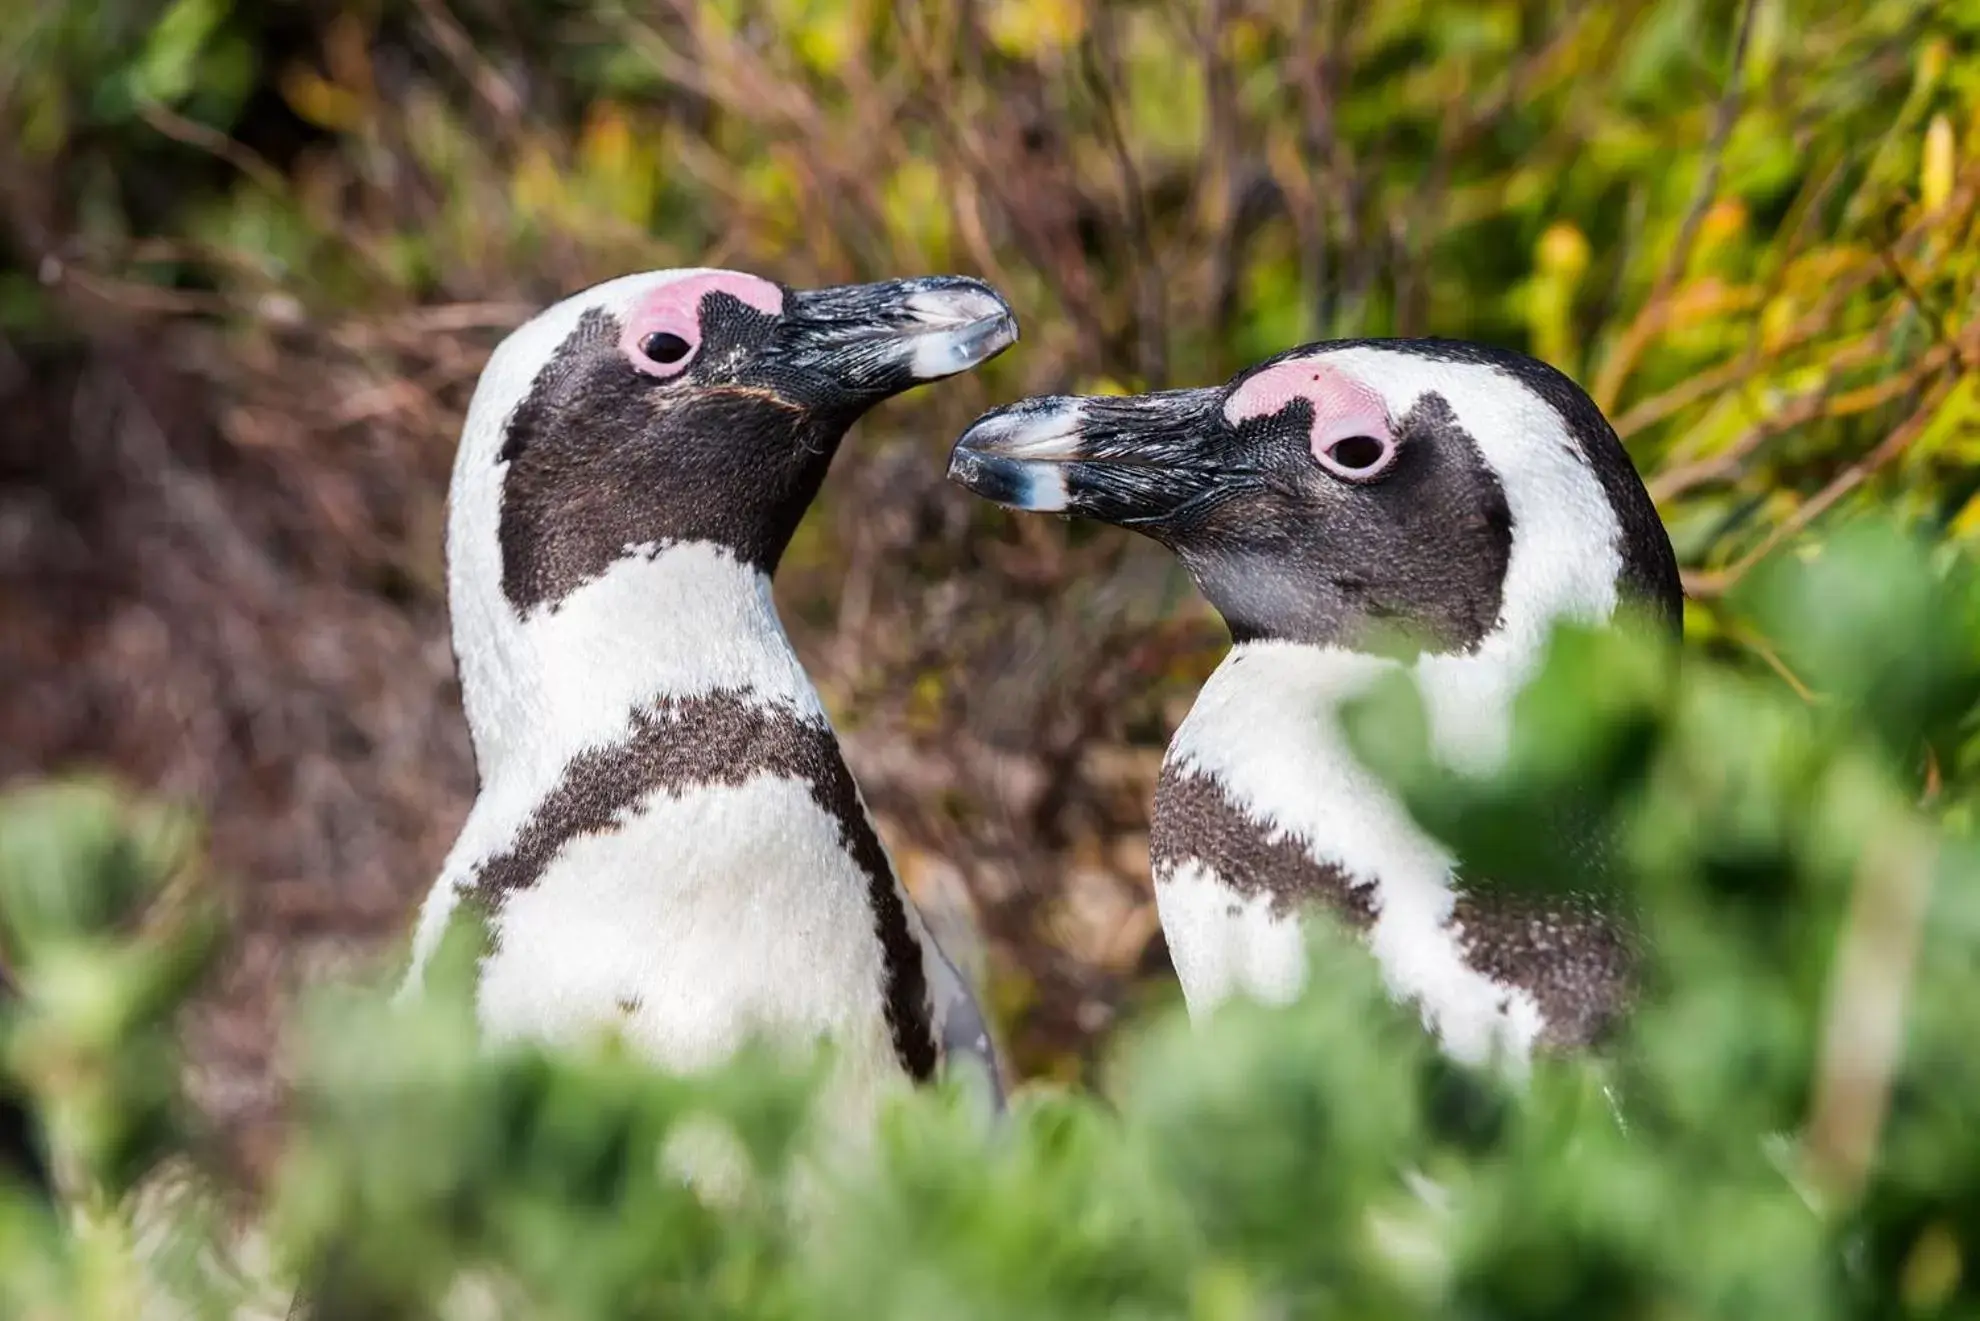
[1351, 436]
[662, 334]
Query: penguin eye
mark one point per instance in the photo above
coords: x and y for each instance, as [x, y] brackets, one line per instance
[662, 338]
[1357, 458]
[664, 346]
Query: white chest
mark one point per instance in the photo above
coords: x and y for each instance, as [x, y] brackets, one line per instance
[702, 920]
[672, 870]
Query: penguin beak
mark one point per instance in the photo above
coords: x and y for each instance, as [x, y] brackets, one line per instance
[1133, 460]
[871, 341]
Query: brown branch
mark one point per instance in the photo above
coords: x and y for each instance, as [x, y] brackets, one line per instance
[1041, 241]
[1151, 313]
[447, 33]
[1933, 319]
[1726, 464]
[1316, 68]
[1708, 176]
[213, 142]
[1844, 482]
[1741, 371]
[137, 296]
[1219, 179]
[1818, 402]
[965, 199]
[1616, 369]
[1761, 647]
[1651, 319]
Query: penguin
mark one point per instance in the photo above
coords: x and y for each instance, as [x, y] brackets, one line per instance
[666, 842]
[1328, 502]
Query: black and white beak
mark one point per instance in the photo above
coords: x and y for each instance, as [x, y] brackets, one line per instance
[875, 340]
[1134, 460]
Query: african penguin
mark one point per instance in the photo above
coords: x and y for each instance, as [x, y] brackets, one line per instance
[666, 840]
[1322, 500]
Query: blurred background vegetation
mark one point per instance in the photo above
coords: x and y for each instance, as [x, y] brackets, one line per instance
[253, 253]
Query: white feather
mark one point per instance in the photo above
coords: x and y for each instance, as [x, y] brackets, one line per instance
[1224, 942]
[721, 913]
[686, 621]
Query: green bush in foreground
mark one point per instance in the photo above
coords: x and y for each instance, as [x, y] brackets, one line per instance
[1790, 1126]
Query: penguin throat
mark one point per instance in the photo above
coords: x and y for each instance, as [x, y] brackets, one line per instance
[1268, 718]
[1264, 743]
[664, 622]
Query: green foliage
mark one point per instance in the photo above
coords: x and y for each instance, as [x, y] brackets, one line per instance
[1783, 1129]
[1748, 228]
[105, 946]
[109, 961]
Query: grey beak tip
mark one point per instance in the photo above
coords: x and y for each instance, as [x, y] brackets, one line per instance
[963, 324]
[961, 464]
[989, 459]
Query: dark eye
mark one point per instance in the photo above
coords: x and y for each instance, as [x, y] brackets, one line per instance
[1357, 457]
[664, 346]
[1357, 453]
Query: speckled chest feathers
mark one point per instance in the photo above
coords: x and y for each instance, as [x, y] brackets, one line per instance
[667, 842]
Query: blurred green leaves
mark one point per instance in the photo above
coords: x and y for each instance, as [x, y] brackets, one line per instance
[1783, 1128]
[1879, 634]
[427, 1155]
[187, 51]
[105, 957]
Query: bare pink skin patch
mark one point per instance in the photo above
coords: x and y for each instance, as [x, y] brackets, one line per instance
[668, 319]
[1351, 436]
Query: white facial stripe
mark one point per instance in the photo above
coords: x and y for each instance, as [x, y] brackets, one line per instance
[500, 667]
[512, 368]
[1564, 557]
[1566, 553]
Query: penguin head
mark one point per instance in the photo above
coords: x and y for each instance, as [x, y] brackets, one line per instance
[686, 406]
[1355, 493]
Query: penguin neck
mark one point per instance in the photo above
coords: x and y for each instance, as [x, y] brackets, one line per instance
[1564, 566]
[663, 624]
[1265, 734]
[1265, 725]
